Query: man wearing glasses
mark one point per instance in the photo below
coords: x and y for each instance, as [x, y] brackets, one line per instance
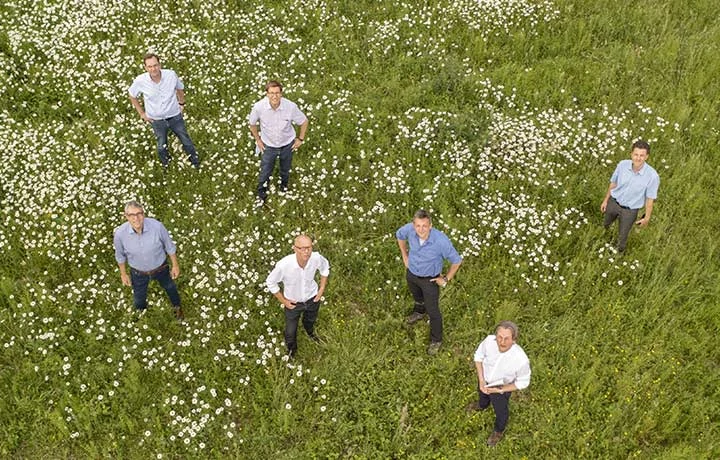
[277, 138]
[144, 244]
[301, 294]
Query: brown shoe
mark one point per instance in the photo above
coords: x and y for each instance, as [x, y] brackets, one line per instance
[179, 315]
[494, 438]
[415, 317]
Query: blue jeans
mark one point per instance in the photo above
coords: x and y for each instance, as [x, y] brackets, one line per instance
[427, 300]
[309, 312]
[140, 282]
[267, 164]
[175, 124]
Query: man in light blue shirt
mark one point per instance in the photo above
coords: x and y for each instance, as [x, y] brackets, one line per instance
[144, 244]
[429, 248]
[164, 100]
[276, 138]
[634, 184]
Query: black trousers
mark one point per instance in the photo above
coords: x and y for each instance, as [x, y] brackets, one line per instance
[427, 296]
[501, 406]
[309, 312]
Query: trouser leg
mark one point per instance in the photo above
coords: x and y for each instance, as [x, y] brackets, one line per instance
[166, 282]
[177, 125]
[310, 316]
[160, 129]
[140, 286]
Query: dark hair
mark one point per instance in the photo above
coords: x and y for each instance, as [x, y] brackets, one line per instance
[148, 56]
[273, 84]
[509, 325]
[422, 214]
[642, 145]
[134, 204]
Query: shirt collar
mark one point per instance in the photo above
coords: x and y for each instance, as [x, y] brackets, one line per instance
[280, 107]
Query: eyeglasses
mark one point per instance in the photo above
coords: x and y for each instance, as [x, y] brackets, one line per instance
[303, 248]
[274, 93]
[134, 214]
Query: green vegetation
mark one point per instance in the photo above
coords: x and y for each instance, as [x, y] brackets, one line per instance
[504, 119]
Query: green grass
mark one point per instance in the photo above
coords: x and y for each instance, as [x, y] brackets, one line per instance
[411, 105]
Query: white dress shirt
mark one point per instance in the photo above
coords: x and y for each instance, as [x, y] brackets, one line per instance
[276, 129]
[298, 283]
[159, 98]
[513, 366]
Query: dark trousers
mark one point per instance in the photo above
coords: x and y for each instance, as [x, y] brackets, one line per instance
[140, 282]
[627, 219]
[427, 297]
[175, 124]
[309, 312]
[501, 406]
[267, 164]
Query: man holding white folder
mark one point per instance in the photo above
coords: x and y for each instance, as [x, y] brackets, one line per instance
[502, 367]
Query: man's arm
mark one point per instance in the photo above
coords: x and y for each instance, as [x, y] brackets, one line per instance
[603, 205]
[481, 377]
[139, 109]
[175, 269]
[180, 95]
[260, 144]
[123, 274]
[301, 137]
[287, 303]
[450, 274]
[321, 289]
[649, 203]
[402, 244]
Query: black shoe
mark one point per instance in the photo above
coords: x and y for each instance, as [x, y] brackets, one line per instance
[414, 318]
[179, 315]
[316, 339]
[474, 407]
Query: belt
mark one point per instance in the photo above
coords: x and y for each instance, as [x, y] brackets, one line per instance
[151, 272]
[423, 277]
[624, 207]
[310, 300]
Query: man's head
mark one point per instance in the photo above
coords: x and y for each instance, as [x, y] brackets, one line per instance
[303, 249]
[640, 153]
[273, 88]
[506, 334]
[422, 223]
[135, 214]
[151, 61]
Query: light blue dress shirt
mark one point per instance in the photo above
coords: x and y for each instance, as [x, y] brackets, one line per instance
[427, 259]
[144, 251]
[159, 99]
[634, 187]
[276, 128]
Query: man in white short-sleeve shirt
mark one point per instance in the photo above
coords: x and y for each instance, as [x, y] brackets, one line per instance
[301, 294]
[502, 367]
[163, 96]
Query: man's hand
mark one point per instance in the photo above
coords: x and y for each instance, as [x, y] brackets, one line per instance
[125, 279]
[260, 145]
[296, 145]
[603, 206]
[317, 297]
[175, 271]
[643, 222]
[289, 304]
[484, 388]
[145, 117]
[440, 281]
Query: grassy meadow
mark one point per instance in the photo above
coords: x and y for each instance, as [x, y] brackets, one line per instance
[505, 119]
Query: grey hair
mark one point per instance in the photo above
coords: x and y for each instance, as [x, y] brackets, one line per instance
[133, 204]
[422, 214]
[509, 325]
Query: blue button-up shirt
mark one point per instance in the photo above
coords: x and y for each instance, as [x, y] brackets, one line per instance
[634, 187]
[427, 259]
[143, 251]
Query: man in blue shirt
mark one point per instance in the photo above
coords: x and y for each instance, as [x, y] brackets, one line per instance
[424, 262]
[144, 243]
[164, 99]
[634, 184]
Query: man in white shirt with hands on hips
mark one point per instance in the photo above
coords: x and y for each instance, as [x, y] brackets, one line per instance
[301, 294]
[502, 367]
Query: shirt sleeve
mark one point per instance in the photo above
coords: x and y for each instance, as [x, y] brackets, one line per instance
[298, 117]
[449, 252]
[652, 188]
[254, 116]
[522, 378]
[402, 233]
[134, 89]
[273, 280]
[481, 352]
[120, 255]
[167, 242]
[324, 267]
[616, 174]
[178, 83]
